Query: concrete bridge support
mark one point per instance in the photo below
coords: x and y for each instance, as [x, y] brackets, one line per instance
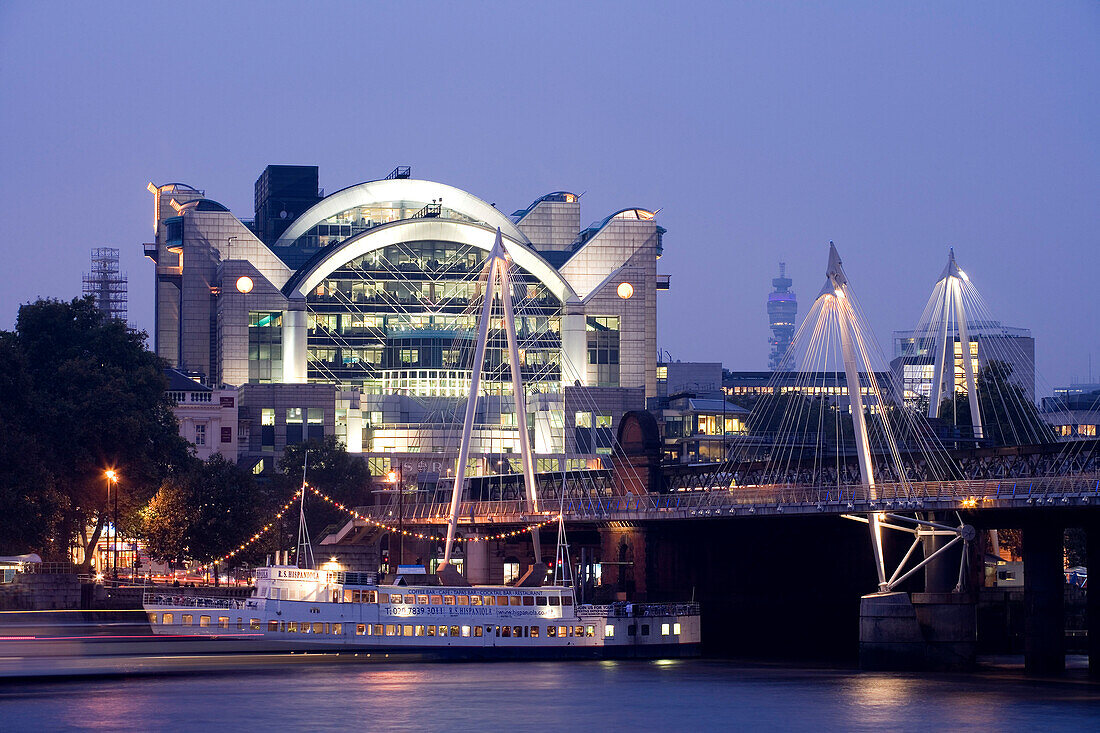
[1092, 611]
[1044, 599]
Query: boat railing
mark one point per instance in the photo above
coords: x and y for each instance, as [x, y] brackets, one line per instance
[166, 599]
[351, 577]
[640, 610]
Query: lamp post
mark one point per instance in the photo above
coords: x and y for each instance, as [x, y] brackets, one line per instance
[112, 478]
[394, 477]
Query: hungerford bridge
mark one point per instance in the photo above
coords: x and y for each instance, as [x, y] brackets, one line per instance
[777, 564]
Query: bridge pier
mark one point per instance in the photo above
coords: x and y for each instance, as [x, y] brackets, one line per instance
[1092, 608]
[1044, 599]
[623, 561]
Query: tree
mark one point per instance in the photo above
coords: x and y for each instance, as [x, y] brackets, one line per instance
[88, 395]
[330, 469]
[1008, 416]
[203, 513]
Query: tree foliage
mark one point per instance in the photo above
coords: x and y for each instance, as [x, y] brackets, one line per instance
[79, 393]
[1008, 416]
[330, 469]
[202, 513]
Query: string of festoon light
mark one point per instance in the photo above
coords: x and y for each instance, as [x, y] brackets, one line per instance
[262, 531]
[421, 535]
[381, 525]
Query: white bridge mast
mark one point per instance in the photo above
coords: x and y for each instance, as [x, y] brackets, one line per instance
[836, 289]
[497, 275]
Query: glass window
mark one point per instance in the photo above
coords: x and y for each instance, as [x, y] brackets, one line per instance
[676, 629]
[555, 600]
[535, 632]
[665, 628]
[265, 347]
[407, 630]
[292, 627]
[465, 630]
[528, 600]
[420, 630]
[511, 572]
[608, 631]
[448, 600]
[489, 600]
[152, 618]
[462, 600]
[437, 600]
[514, 600]
[337, 629]
[377, 629]
[166, 619]
[391, 630]
[200, 434]
[422, 600]
[563, 631]
[477, 631]
[582, 419]
[431, 631]
[293, 415]
[442, 630]
[475, 600]
[506, 631]
[396, 598]
[552, 632]
[541, 600]
[410, 598]
[589, 630]
[223, 622]
[454, 631]
[272, 625]
[517, 631]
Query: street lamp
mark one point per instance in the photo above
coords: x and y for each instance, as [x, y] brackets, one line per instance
[112, 478]
[394, 477]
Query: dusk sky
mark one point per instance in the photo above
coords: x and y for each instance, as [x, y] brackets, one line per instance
[760, 130]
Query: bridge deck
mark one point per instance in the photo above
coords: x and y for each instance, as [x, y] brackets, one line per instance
[767, 501]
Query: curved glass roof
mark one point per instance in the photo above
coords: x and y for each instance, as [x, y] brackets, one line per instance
[556, 196]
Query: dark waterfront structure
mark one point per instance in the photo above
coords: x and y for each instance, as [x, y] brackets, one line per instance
[782, 309]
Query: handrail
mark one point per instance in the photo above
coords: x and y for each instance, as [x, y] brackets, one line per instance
[976, 490]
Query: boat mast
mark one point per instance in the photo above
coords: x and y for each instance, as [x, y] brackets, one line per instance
[304, 553]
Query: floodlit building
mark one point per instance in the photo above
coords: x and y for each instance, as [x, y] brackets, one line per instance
[914, 359]
[354, 314]
[207, 416]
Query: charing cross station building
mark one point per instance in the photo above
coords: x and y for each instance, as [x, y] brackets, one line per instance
[355, 314]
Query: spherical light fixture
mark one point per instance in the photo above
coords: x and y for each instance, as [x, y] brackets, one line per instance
[244, 284]
[625, 290]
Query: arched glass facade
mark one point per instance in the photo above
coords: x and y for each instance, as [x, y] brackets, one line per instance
[402, 320]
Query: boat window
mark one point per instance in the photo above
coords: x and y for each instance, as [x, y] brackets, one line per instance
[632, 630]
[351, 596]
[292, 627]
[437, 600]
[152, 618]
[506, 631]
[608, 631]
[166, 619]
[535, 632]
[408, 630]
[360, 629]
[204, 622]
[395, 598]
[271, 625]
[448, 600]
[489, 600]
[254, 624]
[465, 630]
[454, 631]
[475, 600]
[517, 631]
[273, 593]
[240, 623]
[567, 600]
[420, 631]
[335, 596]
[513, 601]
[540, 600]
[391, 630]
[589, 630]
[502, 600]
[186, 619]
[477, 631]
[579, 630]
[422, 600]
[377, 629]
[303, 628]
[645, 629]
[563, 631]
[528, 600]
[410, 598]
[337, 629]
[318, 627]
[665, 628]
[442, 630]
[370, 596]
[463, 600]
[282, 626]
[551, 631]
[431, 631]
[223, 622]
[676, 629]
[555, 600]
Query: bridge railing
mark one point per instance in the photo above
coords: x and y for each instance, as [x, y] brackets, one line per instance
[887, 495]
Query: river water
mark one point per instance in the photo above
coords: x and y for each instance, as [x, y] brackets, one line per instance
[696, 695]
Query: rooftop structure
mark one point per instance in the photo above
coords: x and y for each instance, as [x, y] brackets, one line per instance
[106, 283]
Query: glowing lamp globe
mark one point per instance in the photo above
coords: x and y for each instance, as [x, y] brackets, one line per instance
[244, 284]
[625, 290]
